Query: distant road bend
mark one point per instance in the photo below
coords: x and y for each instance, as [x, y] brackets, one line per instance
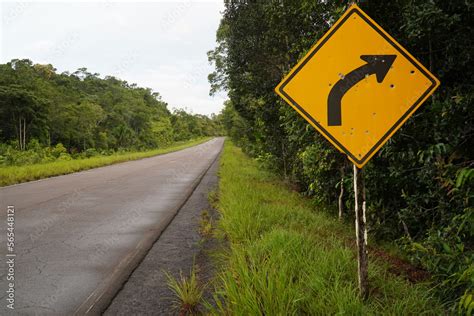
[78, 235]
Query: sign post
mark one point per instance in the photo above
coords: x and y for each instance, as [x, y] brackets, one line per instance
[361, 232]
[357, 86]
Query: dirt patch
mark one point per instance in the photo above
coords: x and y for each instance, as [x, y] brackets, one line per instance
[396, 266]
[400, 267]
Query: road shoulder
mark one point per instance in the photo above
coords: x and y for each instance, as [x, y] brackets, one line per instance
[146, 292]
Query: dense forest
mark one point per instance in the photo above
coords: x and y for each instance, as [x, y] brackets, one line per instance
[46, 114]
[420, 184]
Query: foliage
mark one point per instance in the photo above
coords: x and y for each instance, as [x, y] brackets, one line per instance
[285, 258]
[419, 185]
[205, 224]
[87, 113]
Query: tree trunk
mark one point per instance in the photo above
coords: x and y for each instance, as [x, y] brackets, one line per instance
[24, 134]
[19, 134]
[341, 194]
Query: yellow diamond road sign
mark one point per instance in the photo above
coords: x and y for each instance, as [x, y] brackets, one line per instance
[357, 86]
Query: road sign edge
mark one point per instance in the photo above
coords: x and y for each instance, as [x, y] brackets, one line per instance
[396, 44]
[435, 83]
[279, 89]
[316, 46]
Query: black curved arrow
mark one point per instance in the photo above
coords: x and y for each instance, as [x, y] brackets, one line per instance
[376, 64]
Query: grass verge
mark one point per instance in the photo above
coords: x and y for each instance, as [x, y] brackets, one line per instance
[17, 174]
[285, 258]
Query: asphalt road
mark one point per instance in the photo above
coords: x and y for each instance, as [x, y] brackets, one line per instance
[78, 236]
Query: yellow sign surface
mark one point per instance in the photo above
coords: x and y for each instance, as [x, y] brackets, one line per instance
[357, 86]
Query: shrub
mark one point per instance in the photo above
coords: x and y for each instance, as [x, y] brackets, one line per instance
[58, 150]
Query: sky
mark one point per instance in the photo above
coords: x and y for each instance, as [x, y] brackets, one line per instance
[161, 45]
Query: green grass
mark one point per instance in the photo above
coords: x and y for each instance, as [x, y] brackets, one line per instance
[17, 174]
[187, 292]
[205, 225]
[285, 258]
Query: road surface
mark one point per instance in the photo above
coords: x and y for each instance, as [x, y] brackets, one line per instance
[78, 236]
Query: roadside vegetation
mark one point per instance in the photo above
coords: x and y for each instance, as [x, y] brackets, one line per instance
[84, 111]
[419, 185]
[56, 123]
[56, 161]
[287, 257]
[187, 291]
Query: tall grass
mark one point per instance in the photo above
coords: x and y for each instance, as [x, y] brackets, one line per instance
[187, 292]
[17, 174]
[286, 258]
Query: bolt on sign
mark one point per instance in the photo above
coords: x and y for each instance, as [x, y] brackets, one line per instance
[357, 86]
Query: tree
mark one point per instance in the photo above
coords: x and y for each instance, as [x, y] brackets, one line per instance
[22, 110]
[81, 110]
[411, 182]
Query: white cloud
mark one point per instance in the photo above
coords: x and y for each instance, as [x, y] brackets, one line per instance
[42, 46]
